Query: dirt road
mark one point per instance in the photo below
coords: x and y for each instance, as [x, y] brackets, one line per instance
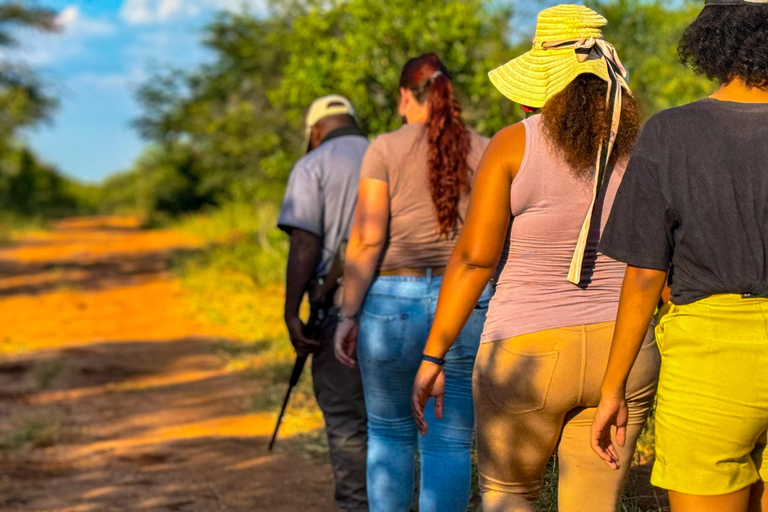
[112, 397]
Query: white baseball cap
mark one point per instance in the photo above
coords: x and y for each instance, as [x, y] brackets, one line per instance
[330, 105]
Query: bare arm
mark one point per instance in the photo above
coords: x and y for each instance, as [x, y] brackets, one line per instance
[640, 294]
[302, 260]
[366, 243]
[472, 263]
[478, 249]
[303, 255]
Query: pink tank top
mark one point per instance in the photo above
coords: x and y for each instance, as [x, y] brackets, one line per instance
[548, 208]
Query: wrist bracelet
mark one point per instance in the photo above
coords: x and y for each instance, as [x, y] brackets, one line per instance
[434, 360]
[341, 317]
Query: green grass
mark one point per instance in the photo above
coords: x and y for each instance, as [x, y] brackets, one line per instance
[10, 346]
[34, 433]
[243, 245]
[48, 372]
[237, 282]
[548, 500]
[13, 225]
[646, 451]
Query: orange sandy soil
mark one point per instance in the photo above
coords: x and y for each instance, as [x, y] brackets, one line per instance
[98, 345]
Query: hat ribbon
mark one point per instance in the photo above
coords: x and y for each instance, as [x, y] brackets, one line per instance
[617, 75]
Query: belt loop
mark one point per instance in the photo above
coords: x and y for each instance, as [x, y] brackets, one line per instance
[429, 276]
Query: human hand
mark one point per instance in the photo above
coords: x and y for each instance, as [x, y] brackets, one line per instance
[611, 411]
[345, 342]
[303, 345]
[430, 381]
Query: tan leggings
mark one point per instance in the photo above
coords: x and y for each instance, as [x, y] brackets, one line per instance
[538, 392]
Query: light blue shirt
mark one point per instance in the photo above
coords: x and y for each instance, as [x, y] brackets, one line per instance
[322, 191]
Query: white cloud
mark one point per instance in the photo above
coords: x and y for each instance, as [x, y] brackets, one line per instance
[127, 81]
[73, 23]
[167, 8]
[137, 11]
[76, 29]
[68, 16]
[142, 12]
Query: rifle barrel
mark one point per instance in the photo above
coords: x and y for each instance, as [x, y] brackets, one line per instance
[298, 366]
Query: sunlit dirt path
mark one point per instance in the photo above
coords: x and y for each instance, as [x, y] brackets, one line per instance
[112, 397]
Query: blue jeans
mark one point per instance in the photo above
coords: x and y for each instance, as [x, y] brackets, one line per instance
[395, 322]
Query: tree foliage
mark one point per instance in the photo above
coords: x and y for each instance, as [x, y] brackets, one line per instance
[24, 98]
[240, 118]
[220, 115]
[358, 48]
[233, 127]
[27, 186]
[646, 36]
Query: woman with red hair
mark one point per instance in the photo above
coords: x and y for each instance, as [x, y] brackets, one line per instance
[414, 189]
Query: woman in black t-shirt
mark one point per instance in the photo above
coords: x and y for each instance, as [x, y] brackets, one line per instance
[693, 206]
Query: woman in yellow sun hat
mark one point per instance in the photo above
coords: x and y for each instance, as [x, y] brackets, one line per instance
[693, 210]
[549, 326]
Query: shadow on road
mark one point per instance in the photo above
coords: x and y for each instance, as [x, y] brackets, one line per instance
[142, 412]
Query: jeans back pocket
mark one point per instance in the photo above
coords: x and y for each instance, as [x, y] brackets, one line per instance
[381, 337]
[517, 383]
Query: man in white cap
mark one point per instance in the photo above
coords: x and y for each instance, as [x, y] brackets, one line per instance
[317, 213]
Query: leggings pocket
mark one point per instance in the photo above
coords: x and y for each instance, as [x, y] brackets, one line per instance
[381, 337]
[517, 383]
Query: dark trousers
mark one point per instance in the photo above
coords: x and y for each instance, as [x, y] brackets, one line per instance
[339, 393]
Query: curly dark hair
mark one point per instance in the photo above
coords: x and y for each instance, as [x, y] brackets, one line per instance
[449, 176]
[576, 120]
[727, 42]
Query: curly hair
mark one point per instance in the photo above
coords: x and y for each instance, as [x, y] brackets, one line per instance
[576, 120]
[429, 81]
[727, 42]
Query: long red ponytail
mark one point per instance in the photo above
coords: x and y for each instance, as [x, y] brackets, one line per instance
[428, 79]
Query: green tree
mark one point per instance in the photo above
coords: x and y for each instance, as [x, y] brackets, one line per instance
[27, 186]
[17, 14]
[220, 115]
[233, 127]
[24, 98]
[646, 36]
[239, 119]
[358, 48]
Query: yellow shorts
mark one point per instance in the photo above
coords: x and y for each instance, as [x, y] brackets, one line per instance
[712, 409]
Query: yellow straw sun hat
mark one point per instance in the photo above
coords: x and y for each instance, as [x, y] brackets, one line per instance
[568, 43]
[534, 77]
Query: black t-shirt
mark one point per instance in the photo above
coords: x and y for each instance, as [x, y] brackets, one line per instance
[694, 200]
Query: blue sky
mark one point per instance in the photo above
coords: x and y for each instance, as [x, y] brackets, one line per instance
[105, 50]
